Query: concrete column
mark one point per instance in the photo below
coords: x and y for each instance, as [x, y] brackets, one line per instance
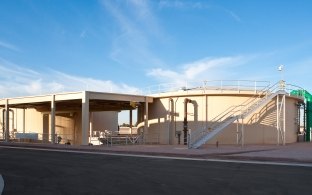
[24, 119]
[53, 119]
[277, 119]
[85, 121]
[284, 119]
[91, 127]
[130, 119]
[7, 117]
[206, 110]
[146, 116]
[243, 133]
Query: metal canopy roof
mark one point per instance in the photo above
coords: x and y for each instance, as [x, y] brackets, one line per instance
[98, 101]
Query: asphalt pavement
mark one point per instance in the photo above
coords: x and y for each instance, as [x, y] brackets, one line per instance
[27, 171]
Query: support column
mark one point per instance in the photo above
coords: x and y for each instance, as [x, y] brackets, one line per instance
[206, 109]
[85, 121]
[24, 119]
[277, 119]
[284, 120]
[7, 127]
[91, 127]
[243, 133]
[53, 120]
[130, 119]
[146, 116]
[237, 132]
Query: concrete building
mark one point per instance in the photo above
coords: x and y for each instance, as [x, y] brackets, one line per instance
[210, 112]
[65, 116]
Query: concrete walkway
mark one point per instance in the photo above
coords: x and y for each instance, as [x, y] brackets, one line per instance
[296, 152]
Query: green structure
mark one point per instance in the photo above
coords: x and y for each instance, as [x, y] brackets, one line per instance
[308, 110]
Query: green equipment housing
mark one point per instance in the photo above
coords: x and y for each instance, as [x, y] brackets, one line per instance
[308, 111]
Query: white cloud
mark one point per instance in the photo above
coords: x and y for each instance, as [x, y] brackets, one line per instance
[9, 46]
[138, 27]
[18, 81]
[234, 15]
[199, 70]
[196, 5]
[182, 4]
[160, 73]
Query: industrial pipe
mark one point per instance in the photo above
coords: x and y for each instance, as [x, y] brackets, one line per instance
[170, 112]
[175, 118]
[186, 100]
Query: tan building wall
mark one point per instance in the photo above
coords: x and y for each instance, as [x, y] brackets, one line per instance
[67, 124]
[166, 119]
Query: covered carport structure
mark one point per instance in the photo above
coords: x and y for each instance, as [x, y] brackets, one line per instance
[84, 101]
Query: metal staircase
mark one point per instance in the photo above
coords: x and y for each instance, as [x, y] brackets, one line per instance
[233, 113]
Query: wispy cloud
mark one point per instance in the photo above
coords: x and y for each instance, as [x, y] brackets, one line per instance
[9, 46]
[196, 5]
[177, 4]
[211, 68]
[18, 81]
[233, 15]
[138, 26]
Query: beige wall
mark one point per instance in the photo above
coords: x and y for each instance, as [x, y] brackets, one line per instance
[70, 126]
[67, 124]
[166, 119]
[260, 127]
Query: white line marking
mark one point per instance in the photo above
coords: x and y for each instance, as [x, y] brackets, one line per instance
[165, 157]
[1, 184]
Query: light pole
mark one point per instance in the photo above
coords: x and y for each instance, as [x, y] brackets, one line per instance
[282, 82]
[280, 69]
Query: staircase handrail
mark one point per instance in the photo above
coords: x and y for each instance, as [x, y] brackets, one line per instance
[237, 108]
[256, 100]
[235, 111]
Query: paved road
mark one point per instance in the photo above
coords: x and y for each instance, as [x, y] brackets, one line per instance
[45, 172]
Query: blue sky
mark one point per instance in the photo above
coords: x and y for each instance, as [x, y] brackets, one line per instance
[49, 46]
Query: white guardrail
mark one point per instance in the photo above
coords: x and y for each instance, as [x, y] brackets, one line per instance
[237, 85]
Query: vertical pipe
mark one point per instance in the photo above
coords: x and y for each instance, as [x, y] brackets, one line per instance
[186, 100]
[53, 120]
[175, 117]
[185, 122]
[170, 111]
[130, 119]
